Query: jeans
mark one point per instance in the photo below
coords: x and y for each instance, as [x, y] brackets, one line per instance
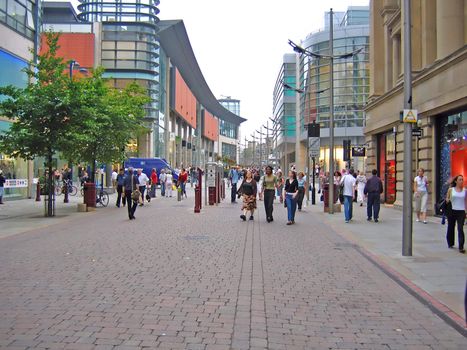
[183, 186]
[269, 202]
[300, 195]
[348, 206]
[153, 190]
[142, 189]
[458, 216]
[119, 195]
[162, 189]
[373, 205]
[233, 192]
[131, 204]
[291, 206]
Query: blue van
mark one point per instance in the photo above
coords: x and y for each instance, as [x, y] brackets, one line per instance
[147, 164]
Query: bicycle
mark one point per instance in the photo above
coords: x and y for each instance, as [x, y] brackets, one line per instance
[72, 189]
[102, 198]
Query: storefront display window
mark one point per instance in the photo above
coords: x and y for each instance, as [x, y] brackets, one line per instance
[387, 165]
[452, 149]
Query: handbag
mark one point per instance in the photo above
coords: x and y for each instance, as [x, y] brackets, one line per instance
[135, 194]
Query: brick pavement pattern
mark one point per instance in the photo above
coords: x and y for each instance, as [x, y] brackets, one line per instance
[172, 279]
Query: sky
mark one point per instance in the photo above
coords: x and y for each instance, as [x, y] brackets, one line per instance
[239, 44]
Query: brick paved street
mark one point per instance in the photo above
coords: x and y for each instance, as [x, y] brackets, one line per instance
[173, 279]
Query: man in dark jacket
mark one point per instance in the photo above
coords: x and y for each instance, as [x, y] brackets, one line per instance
[120, 184]
[131, 183]
[373, 189]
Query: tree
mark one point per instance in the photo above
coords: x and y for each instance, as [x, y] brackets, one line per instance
[41, 111]
[108, 117]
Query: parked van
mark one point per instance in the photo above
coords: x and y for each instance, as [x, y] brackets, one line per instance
[147, 164]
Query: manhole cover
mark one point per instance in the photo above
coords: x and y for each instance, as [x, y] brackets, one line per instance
[196, 238]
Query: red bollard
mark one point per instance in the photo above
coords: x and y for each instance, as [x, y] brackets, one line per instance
[38, 192]
[197, 199]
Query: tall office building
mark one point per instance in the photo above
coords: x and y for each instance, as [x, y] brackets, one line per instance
[19, 24]
[229, 132]
[351, 84]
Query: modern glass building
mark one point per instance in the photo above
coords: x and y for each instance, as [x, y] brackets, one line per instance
[229, 133]
[284, 111]
[18, 22]
[351, 83]
[130, 52]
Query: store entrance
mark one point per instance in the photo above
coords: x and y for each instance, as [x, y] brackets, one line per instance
[387, 165]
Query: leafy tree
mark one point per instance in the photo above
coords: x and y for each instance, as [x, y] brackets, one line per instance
[109, 119]
[41, 111]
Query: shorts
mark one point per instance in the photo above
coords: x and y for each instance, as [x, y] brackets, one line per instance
[420, 202]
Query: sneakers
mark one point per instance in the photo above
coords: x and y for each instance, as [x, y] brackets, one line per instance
[368, 219]
[243, 217]
[418, 220]
[251, 218]
[376, 220]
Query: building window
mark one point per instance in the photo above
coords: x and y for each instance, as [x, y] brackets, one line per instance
[228, 129]
[229, 151]
[18, 15]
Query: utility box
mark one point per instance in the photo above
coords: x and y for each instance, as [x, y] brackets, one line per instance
[214, 182]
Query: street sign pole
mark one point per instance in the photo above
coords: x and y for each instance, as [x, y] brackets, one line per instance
[308, 173]
[313, 194]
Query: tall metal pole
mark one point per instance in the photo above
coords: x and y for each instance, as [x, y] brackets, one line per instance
[407, 196]
[307, 187]
[267, 142]
[331, 114]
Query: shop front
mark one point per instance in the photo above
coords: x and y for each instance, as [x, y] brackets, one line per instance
[452, 150]
[386, 165]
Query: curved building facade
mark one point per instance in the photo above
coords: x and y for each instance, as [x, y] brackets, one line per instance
[129, 51]
[351, 84]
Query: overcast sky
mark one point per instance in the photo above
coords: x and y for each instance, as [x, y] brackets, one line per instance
[239, 44]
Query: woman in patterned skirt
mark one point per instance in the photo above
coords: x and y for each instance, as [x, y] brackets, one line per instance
[248, 190]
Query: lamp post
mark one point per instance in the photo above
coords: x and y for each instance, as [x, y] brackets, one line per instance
[331, 58]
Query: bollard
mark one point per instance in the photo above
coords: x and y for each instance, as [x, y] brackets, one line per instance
[65, 191]
[38, 192]
[179, 193]
[197, 199]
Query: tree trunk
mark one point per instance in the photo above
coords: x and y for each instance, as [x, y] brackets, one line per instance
[50, 208]
[93, 171]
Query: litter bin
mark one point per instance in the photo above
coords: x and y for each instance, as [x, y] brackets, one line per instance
[90, 194]
[326, 196]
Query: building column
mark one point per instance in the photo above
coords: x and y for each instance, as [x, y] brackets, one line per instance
[396, 58]
[388, 82]
[428, 32]
[376, 49]
[449, 26]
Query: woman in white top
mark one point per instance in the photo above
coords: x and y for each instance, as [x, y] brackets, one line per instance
[168, 184]
[420, 189]
[361, 181]
[456, 195]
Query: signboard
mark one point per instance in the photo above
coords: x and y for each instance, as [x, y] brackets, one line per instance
[314, 145]
[358, 151]
[16, 183]
[417, 132]
[410, 116]
[211, 176]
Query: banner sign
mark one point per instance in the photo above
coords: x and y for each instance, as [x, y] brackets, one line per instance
[16, 183]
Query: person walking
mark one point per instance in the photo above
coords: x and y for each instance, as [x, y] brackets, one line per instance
[2, 186]
[120, 183]
[130, 184]
[280, 185]
[373, 189]
[420, 189]
[301, 180]
[248, 190]
[347, 182]
[457, 197]
[269, 190]
[233, 177]
[114, 178]
[154, 181]
[290, 196]
[162, 179]
[361, 182]
[168, 183]
[143, 181]
[182, 180]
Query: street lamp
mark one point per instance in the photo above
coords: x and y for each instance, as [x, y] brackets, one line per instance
[331, 58]
[75, 64]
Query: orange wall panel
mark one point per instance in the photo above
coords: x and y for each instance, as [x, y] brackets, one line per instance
[74, 46]
[211, 126]
[185, 101]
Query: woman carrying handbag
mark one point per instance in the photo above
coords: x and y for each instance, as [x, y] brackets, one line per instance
[457, 199]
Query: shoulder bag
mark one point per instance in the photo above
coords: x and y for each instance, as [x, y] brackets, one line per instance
[135, 194]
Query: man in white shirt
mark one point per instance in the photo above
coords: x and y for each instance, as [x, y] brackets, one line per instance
[348, 183]
[142, 180]
[114, 178]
